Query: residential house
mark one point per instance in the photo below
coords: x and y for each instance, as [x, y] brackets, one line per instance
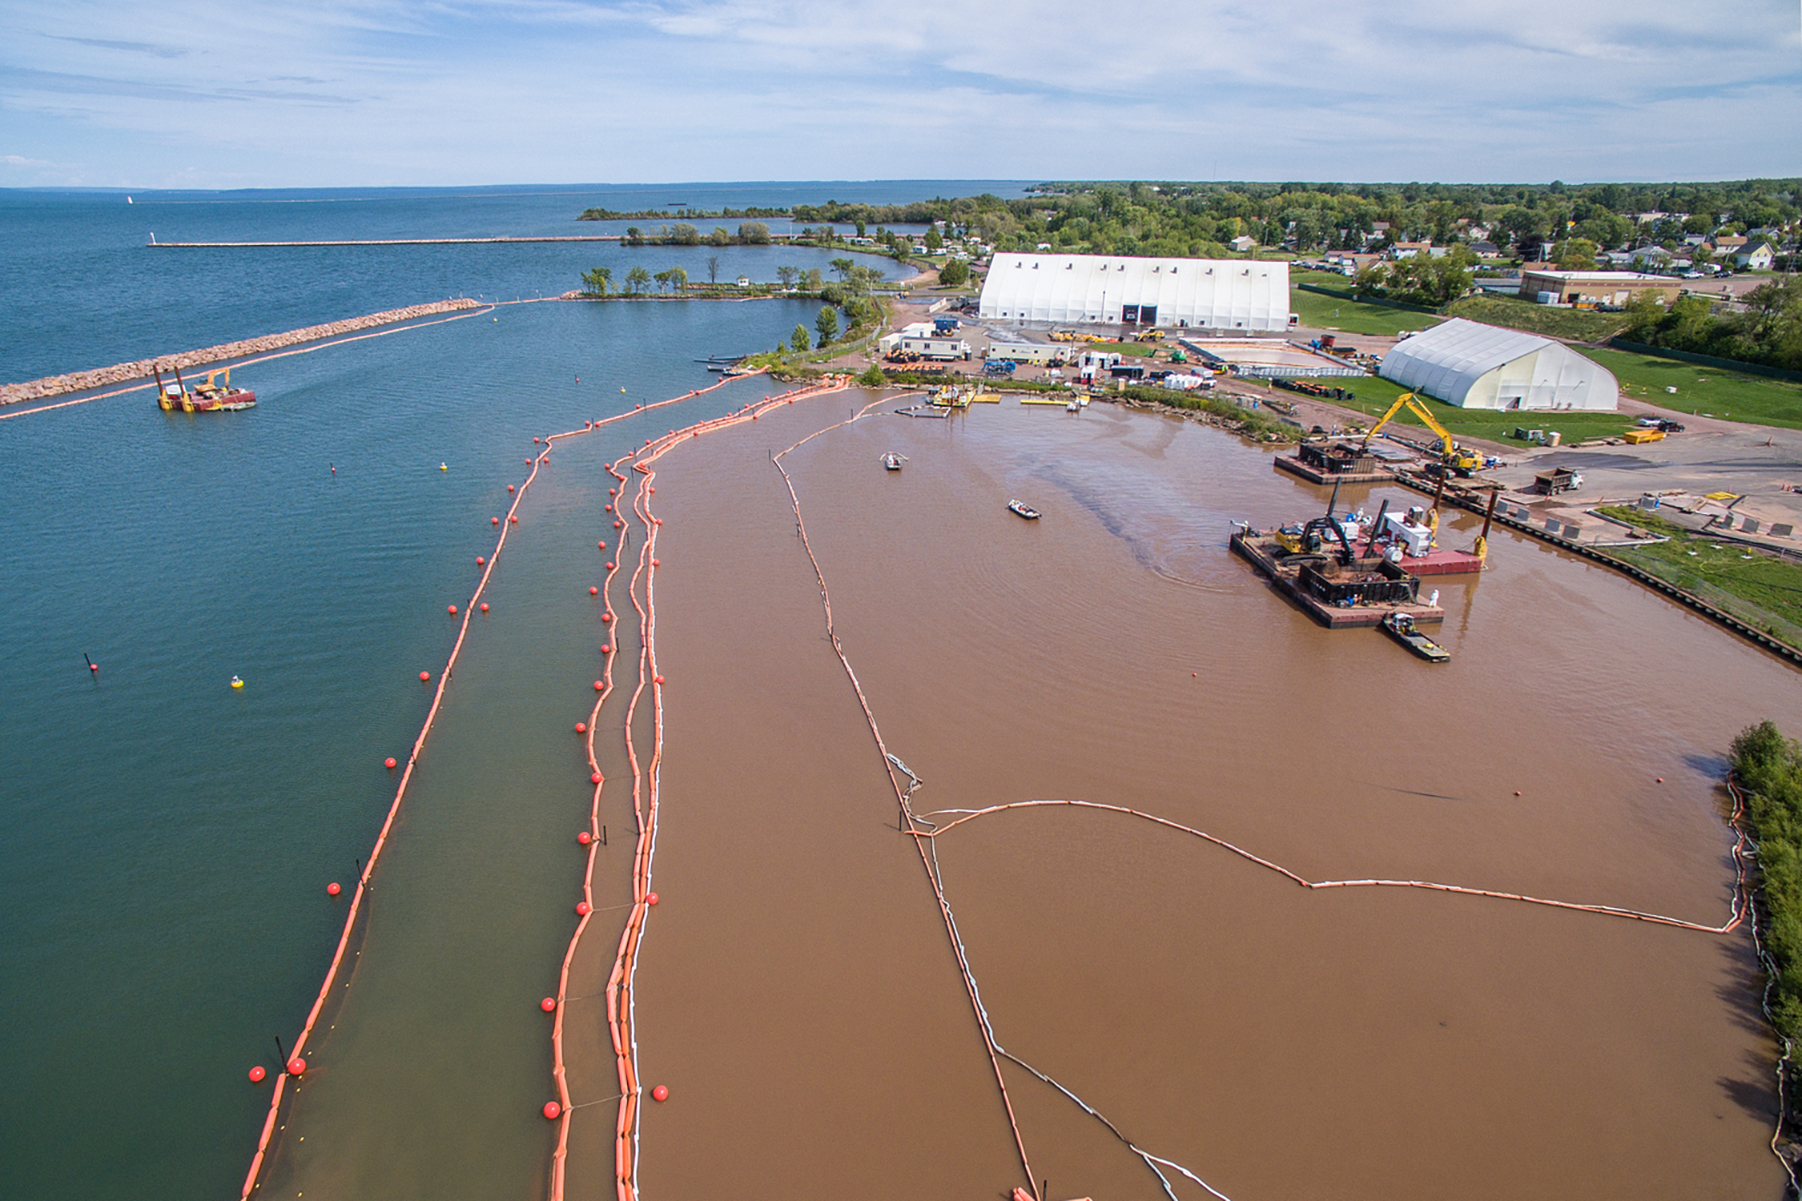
[1754, 256]
[1485, 250]
[1243, 243]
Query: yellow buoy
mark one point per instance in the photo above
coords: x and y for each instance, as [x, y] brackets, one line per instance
[442, 467]
[237, 683]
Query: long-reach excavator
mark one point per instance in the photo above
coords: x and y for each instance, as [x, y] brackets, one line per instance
[1457, 459]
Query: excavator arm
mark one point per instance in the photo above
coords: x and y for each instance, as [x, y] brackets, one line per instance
[1452, 454]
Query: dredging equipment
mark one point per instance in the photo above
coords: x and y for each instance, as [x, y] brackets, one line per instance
[216, 395]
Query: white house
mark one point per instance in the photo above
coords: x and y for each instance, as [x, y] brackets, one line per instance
[1476, 366]
[1754, 257]
[1223, 294]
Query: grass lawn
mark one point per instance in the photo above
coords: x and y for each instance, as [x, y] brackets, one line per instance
[1769, 583]
[1704, 390]
[1579, 325]
[1142, 349]
[1351, 316]
[1374, 394]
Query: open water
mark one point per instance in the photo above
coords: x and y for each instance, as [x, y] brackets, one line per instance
[168, 839]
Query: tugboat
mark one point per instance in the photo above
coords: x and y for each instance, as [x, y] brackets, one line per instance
[216, 395]
[1400, 626]
[1023, 509]
[893, 461]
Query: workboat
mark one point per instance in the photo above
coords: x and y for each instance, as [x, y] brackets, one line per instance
[216, 395]
[1400, 626]
[1023, 509]
[893, 461]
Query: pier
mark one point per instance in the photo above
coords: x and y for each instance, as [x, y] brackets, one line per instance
[153, 244]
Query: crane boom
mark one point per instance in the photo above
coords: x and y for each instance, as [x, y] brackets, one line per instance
[1451, 453]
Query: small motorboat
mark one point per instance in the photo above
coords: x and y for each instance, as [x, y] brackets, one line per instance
[893, 461]
[1401, 627]
[1023, 509]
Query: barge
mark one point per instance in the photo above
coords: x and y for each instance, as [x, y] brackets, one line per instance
[216, 395]
[1337, 591]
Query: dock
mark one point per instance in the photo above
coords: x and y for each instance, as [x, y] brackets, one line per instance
[1337, 596]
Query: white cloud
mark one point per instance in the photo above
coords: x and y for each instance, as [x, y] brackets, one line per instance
[352, 91]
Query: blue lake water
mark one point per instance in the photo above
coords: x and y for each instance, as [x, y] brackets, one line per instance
[82, 288]
[168, 838]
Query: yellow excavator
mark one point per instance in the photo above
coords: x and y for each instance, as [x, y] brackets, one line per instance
[1454, 458]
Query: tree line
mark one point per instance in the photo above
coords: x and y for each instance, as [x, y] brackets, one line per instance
[1767, 329]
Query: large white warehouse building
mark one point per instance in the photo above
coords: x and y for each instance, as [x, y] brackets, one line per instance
[1477, 366]
[1067, 289]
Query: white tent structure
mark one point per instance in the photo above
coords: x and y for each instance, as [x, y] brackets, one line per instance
[1224, 294]
[1477, 366]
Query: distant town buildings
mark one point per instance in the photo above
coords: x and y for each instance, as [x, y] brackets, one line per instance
[1612, 288]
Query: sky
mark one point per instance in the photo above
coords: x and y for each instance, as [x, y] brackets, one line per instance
[362, 93]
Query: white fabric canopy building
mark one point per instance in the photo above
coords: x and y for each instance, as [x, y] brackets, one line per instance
[1060, 289]
[1476, 366]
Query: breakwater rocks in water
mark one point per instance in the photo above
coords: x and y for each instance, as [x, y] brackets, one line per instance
[101, 377]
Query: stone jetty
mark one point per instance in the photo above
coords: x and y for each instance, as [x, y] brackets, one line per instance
[101, 377]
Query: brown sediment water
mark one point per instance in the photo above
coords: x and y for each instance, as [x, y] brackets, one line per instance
[798, 994]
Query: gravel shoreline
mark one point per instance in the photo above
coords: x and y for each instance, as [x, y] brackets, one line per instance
[100, 377]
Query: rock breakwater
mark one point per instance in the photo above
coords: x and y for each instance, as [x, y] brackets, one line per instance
[101, 377]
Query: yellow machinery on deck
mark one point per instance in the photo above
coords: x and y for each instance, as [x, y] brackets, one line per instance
[1452, 457]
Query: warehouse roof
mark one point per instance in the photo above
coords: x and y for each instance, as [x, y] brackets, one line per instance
[1201, 293]
[1445, 360]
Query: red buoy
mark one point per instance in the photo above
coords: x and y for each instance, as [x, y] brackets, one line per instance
[600, 546]
[581, 727]
[257, 1073]
[389, 763]
[594, 591]
[93, 667]
[606, 617]
[552, 1110]
[1661, 779]
[534, 442]
[660, 1093]
[584, 908]
[481, 562]
[594, 777]
[610, 508]
[658, 679]
[297, 1066]
[650, 898]
[653, 487]
[513, 519]
[509, 487]
[605, 648]
[494, 520]
[610, 565]
[618, 524]
[612, 492]
[656, 563]
[1517, 792]
[332, 889]
[424, 676]
[484, 606]
[584, 838]
[549, 1004]
[451, 609]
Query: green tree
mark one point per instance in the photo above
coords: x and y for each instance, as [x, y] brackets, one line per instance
[860, 229]
[719, 237]
[1575, 254]
[683, 235]
[788, 275]
[637, 280]
[872, 377]
[799, 341]
[842, 267]
[634, 237]
[955, 273]
[662, 278]
[934, 242]
[812, 281]
[598, 280]
[827, 324]
[678, 279]
[754, 233]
